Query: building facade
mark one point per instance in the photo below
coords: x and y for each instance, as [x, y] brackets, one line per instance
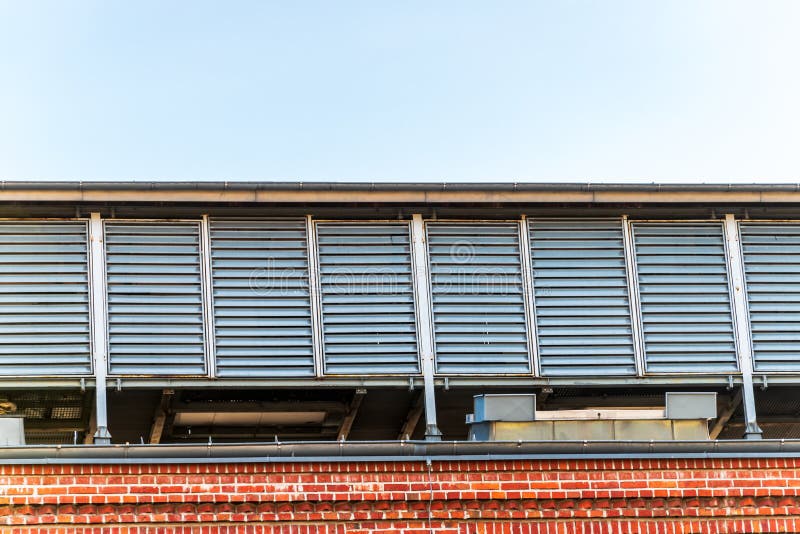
[218, 313]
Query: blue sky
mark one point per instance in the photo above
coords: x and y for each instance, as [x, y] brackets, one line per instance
[589, 90]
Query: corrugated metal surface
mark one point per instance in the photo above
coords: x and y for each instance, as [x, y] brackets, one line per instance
[581, 290]
[155, 305]
[367, 297]
[685, 299]
[44, 319]
[772, 274]
[478, 299]
[262, 309]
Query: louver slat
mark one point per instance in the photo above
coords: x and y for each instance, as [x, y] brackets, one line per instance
[772, 274]
[581, 292]
[155, 307]
[685, 298]
[44, 299]
[367, 295]
[262, 309]
[478, 301]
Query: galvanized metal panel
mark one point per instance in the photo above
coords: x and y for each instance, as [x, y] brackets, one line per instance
[367, 298]
[772, 275]
[44, 292]
[684, 295]
[582, 303]
[262, 309]
[478, 299]
[155, 299]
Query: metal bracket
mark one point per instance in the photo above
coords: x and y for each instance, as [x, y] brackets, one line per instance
[83, 385]
[447, 383]
[730, 383]
[119, 384]
[764, 383]
[410, 383]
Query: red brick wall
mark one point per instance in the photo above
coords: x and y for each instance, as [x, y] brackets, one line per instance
[738, 495]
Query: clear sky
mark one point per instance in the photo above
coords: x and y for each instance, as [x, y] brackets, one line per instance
[684, 90]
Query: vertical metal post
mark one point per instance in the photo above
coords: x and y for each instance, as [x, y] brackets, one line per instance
[424, 323]
[97, 283]
[208, 297]
[741, 321]
[633, 295]
[313, 295]
[528, 291]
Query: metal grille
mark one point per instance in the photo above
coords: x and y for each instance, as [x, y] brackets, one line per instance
[155, 305]
[685, 298]
[367, 295]
[772, 273]
[262, 309]
[478, 299]
[44, 291]
[581, 290]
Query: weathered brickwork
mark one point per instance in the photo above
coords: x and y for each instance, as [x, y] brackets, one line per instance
[522, 496]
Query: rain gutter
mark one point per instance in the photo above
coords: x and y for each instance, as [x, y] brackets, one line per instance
[393, 451]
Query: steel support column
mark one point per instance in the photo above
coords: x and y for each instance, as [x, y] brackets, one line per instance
[424, 324]
[741, 319]
[208, 298]
[530, 299]
[314, 298]
[97, 261]
[633, 296]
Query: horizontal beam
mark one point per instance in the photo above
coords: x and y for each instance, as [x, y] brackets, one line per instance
[398, 381]
[390, 382]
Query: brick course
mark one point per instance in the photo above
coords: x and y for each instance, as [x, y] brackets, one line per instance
[519, 496]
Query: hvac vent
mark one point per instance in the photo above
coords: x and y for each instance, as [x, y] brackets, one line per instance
[262, 308]
[772, 273]
[685, 298]
[583, 315]
[478, 299]
[155, 305]
[367, 296]
[44, 291]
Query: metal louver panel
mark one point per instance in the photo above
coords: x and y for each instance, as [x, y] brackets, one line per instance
[478, 299]
[580, 285]
[44, 291]
[262, 308]
[367, 297]
[155, 305]
[687, 322]
[772, 274]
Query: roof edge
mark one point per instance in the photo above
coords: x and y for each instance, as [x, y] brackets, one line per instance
[395, 192]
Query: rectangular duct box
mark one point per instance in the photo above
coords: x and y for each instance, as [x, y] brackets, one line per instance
[12, 431]
[691, 405]
[508, 407]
